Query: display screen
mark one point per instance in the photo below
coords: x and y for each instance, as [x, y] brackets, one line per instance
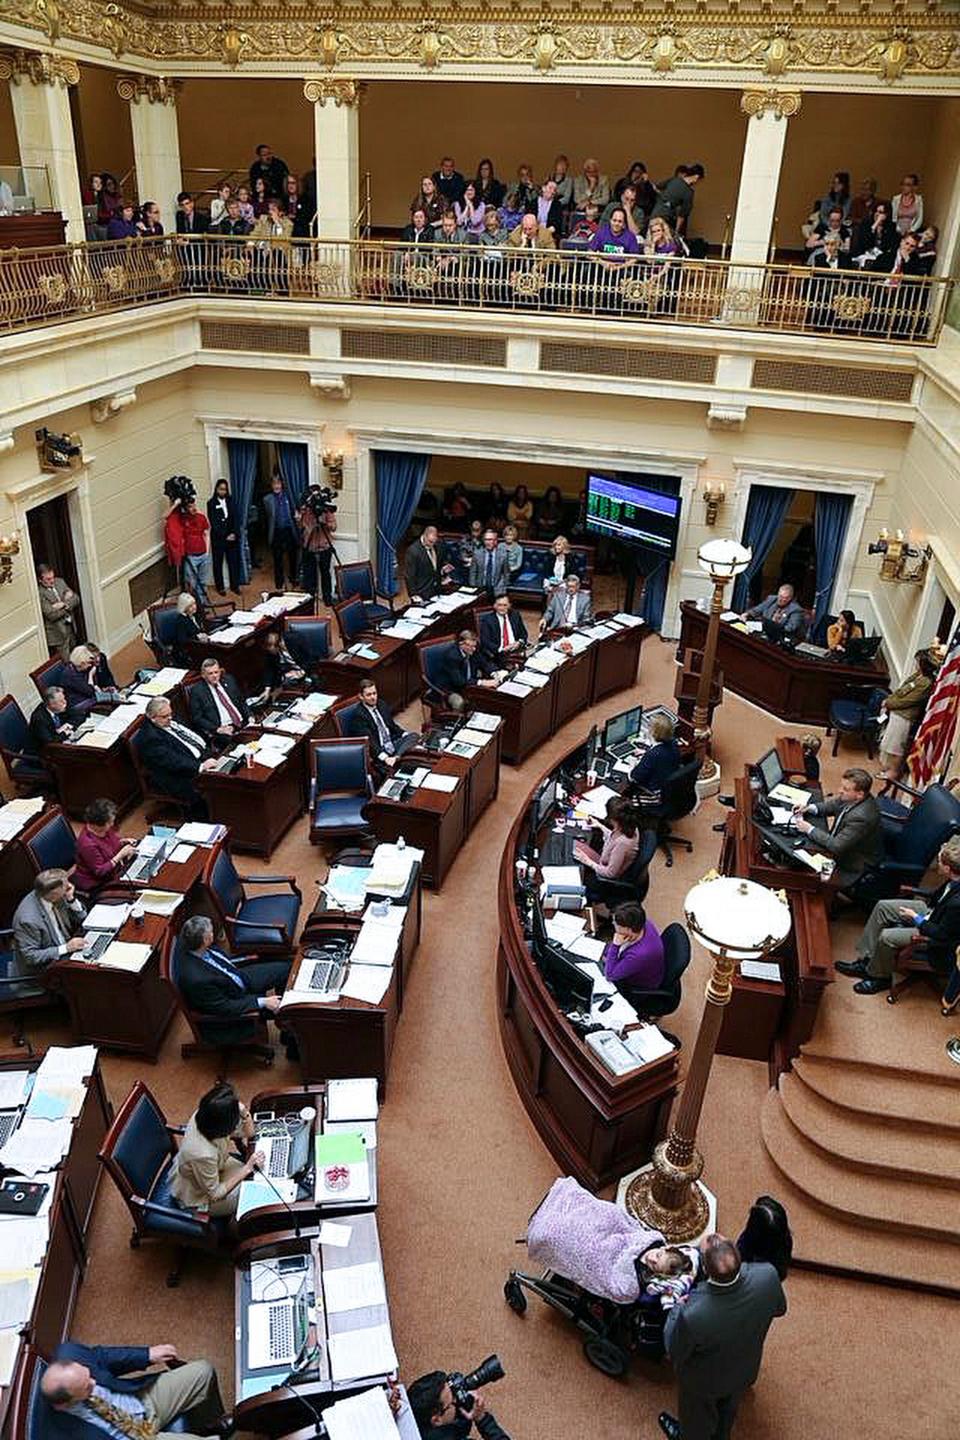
[546, 802]
[628, 510]
[622, 727]
[771, 771]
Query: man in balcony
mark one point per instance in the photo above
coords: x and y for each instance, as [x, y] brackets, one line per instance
[449, 181]
[674, 201]
[189, 223]
[269, 168]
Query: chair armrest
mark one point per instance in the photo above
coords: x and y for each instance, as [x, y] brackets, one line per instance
[915, 890]
[280, 930]
[290, 880]
[902, 785]
[202, 1223]
[176, 1129]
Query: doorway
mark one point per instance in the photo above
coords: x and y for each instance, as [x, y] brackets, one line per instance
[51, 541]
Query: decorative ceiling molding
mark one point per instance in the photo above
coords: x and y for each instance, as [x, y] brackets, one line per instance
[320, 89]
[780, 103]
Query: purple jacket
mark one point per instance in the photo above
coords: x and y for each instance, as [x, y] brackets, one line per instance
[639, 965]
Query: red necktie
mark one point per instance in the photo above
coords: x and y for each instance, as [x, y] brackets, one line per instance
[506, 634]
[228, 705]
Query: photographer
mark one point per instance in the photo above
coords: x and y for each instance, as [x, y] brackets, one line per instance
[445, 1407]
[187, 536]
[317, 518]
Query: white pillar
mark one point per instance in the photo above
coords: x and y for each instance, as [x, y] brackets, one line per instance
[337, 140]
[769, 111]
[156, 140]
[40, 93]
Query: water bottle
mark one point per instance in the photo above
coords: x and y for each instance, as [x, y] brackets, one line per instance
[401, 843]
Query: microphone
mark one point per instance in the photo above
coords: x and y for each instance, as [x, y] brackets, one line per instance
[315, 1415]
[283, 1201]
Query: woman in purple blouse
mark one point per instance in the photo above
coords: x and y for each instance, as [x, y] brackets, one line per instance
[101, 851]
[635, 955]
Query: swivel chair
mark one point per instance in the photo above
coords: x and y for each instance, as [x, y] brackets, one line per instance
[352, 619]
[355, 581]
[308, 640]
[160, 639]
[678, 797]
[54, 845]
[432, 698]
[339, 789]
[910, 846]
[633, 884]
[204, 1027]
[19, 993]
[265, 923]
[666, 998]
[857, 713]
[48, 674]
[25, 769]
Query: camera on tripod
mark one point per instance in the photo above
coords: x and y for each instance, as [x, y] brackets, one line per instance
[180, 488]
[57, 451]
[462, 1386]
[320, 498]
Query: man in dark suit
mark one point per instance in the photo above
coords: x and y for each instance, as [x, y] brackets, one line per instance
[853, 841]
[172, 754]
[783, 610]
[228, 996]
[502, 632]
[217, 709]
[934, 921]
[423, 568]
[715, 1340]
[190, 222]
[49, 721]
[372, 721]
[461, 665]
[489, 569]
[89, 1391]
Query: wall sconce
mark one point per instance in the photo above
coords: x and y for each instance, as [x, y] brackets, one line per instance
[9, 546]
[897, 552]
[714, 494]
[333, 464]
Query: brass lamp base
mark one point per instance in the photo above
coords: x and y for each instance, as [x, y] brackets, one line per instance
[669, 1198]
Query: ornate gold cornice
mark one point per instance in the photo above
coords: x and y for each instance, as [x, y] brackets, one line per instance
[780, 103]
[155, 89]
[39, 67]
[318, 90]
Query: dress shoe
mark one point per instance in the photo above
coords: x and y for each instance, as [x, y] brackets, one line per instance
[731, 804]
[871, 986]
[857, 968]
[670, 1425]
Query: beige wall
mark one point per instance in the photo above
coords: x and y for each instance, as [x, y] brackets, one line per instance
[223, 121]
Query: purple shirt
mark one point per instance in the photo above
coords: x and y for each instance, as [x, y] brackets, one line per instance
[606, 243]
[639, 964]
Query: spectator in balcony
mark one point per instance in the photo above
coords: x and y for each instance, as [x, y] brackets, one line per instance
[521, 198]
[900, 303]
[91, 192]
[585, 225]
[927, 249]
[822, 292]
[661, 241]
[531, 235]
[829, 255]
[429, 200]
[631, 207]
[149, 222]
[493, 235]
[614, 242]
[638, 177]
[907, 206]
[875, 235]
[837, 194]
[290, 198]
[123, 225]
[218, 205]
[449, 181]
[232, 221]
[561, 177]
[496, 505]
[489, 189]
[245, 203]
[511, 543]
[470, 210]
[520, 511]
[833, 225]
[109, 199]
[261, 197]
[863, 203]
[450, 236]
[902, 261]
[549, 211]
[190, 221]
[270, 169]
[674, 202]
[419, 231]
[271, 236]
[590, 185]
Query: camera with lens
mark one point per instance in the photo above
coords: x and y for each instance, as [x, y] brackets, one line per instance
[320, 498]
[58, 450]
[180, 488]
[462, 1385]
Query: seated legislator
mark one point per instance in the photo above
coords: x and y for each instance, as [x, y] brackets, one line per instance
[423, 569]
[903, 709]
[172, 754]
[783, 610]
[892, 924]
[184, 628]
[80, 686]
[844, 628]
[206, 1173]
[660, 761]
[461, 665]
[228, 997]
[634, 956]
[502, 632]
[217, 709]
[49, 721]
[569, 607]
[620, 845]
[101, 850]
[372, 721]
[853, 840]
[48, 923]
[279, 666]
[88, 1392]
[489, 569]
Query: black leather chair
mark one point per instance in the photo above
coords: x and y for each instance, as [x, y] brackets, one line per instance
[633, 884]
[355, 582]
[19, 993]
[25, 769]
[857, 713]
[339, 789]
[266, 924]
[678, 797]
[676, 958]
[54, 846]
[910, 846]
[308, 640]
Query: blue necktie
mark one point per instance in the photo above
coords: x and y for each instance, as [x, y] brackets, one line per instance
[219, 962]
[489, 567]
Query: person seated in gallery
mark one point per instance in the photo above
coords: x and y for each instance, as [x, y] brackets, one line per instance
[853, 842]
[634, 957]
[835, 226]
[661, 761]
[783, 610]
[843, 629]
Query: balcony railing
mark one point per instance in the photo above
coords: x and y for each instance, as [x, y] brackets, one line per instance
[44, 286]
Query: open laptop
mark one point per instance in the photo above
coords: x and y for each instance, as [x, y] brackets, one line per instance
[277, 1330]
[286, 1153]
[774, 782]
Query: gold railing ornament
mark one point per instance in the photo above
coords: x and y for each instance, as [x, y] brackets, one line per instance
[852, 307]
[325, 275]
[235, 267]
[527, 283]
[53, 288]
[115, 278]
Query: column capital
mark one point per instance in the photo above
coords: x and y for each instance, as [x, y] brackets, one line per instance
[39, 67]
[321, 88]
[780, 103]
[155, 89]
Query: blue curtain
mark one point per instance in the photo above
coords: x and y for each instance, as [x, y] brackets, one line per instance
[657, 579]
[831, 515]
[766, 511]
[293, 468]
[242, 456]
[400, 480]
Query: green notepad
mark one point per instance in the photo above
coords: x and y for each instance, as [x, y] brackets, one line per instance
[341, 1149]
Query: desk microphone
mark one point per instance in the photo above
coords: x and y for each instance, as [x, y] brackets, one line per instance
[284, 1202]
[320, 1428]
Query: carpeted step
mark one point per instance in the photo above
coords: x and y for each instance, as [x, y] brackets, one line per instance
[923, 1101]
[907, 1038]
[864, 1142]
[882, 1201]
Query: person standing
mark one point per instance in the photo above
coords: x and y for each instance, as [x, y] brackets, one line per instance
[715, 1340]
[187, 540]
[317, 519]
[903, 710]
[281, 531]
[224, 537]
[57, 604]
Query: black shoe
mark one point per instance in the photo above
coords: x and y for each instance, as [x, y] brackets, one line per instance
[731, 802]
[670, 1425]
[857, 968]
[224, 1427]
[871, 986]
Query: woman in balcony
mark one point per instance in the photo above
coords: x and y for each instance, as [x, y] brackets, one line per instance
[561, 177]
[877, 235]
[429, 200]
[520, 511]
[149, 222]
[837, 194]
[489, 189]
[521, 198]
[927, 249]
[261, 197]
[907, 206]
[663, 249]
[246, 204]
[109, 199]
[470, 211]
[637, 177]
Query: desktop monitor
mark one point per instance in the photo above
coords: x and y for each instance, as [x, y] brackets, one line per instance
[862, 648]
[622, 727]
[631, 509]
[568, 984]
[591, 749]
[545, 801]
[771, 771]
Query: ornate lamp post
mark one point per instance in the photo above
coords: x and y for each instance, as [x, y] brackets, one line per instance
[723, 561]
[734, 920]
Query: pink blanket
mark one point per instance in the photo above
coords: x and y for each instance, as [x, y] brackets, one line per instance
[590, 1241]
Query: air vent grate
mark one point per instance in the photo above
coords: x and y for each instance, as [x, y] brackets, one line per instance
[260, 339]
[818, 379]
[688, 367]
[423, 348]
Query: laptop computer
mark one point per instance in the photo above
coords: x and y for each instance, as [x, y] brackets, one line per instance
[277, 1330]
[287, 1153]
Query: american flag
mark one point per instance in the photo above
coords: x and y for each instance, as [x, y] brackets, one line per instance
[934, 738]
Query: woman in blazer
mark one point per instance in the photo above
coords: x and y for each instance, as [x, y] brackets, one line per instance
[77, 683]
[185, 627]
[224, 537]
[206, 1175]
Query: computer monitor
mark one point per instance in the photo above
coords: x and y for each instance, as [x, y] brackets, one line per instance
[863, 648]
[568, 984]
[546, 801]
[622, 727]
[773, 629]
[771, 771]
[591, 749]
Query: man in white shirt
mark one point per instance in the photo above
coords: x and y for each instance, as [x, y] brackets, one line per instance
[48, 923]
[569, 607]
[502, 632]
[217, 708]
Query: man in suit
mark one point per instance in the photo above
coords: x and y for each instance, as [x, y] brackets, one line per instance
[502, 633]
[893, 924]
[783, 610]
[372, 721]
[49, 721]
[531, 235]
[89, 1391]
[190, 223]
[461, 665]
[489, 570]
[423, 569]
[217, 708]
[715, 1340]
[569, 607]
[853, 840]
[229, 996]
[57, 604]
[48, 923]
[172, 754]
[282, 535]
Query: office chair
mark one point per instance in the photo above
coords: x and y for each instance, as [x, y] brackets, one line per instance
[203, 1027]
[158, 799]
[352, 619]
[342, 715]
[25, 769]
[266, 923]
[47, 674]
[161, 617]
[910, 846]
[54, 846]
[355, 582]
[432, 698]
[19, 993]
[818, 633]
[666, 998]
[339, 788]
[857, 713]
[137, 1153]
[913, 966]
[307, 638]
[678, 797]
[633, 884]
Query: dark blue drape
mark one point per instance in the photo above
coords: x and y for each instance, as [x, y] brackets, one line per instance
[831, 515]
[292, 456]
[766, 511]
[400, 480]
[656, 570]
[242, 456]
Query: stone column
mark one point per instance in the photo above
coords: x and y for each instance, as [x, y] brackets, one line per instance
[337, 140]
[156, 140]
[40, 94]
[769, 110]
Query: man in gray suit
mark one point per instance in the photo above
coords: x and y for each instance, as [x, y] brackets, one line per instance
[489, 570]
[715, 1340]
[569, 607]
[783, 610]
[854, 841]
[48, 923]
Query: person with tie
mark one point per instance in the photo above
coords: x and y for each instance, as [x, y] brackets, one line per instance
[217, 708]
[372, 721]
[172, 755]
[423, 569]
[489, 570]
[91, 1391]
[502, 632]
[49, 721]
[853, 841]
[569, 607]
[48, 923]
[461, 665]
[228, 997]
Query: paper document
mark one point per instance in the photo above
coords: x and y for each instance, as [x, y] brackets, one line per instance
[366, 1129]
[345, 885]
[391, 921]
[626, 619]
[648, 1043]
[753, 627]
[481, 720]
[368, 983]
[355, 1354]
[565, 928]
[760, 970]
[595, 800]
[407, 629]
[255, 1193]
[160, 902]
[106, 917]
[601, 985]
[13, 1087]
[562, 877]
[9, 1350]
[293, 725]
[587, 947]
[97, 739]
[789, 795]
[230, 634]
[467, 735]
[45, 1105]
[779, 816]
[391, 868]
[464, 752]
[313, 705]
[340, 1147]
[125, 955]
[375, 945]
[268, 757]
[196, 832]
[333, 1234]
[533, 679]
[617, 1014]
[119, 719]
[23, 1240]
[578, 642]
[37, 1145]
[16, 1300]
[545, 661]
[729, 615]
[65, 1064]
[446, 784]
[816, 862]
[361, 1417]
[511, 687]
[11, 825]
[352, 1099]
[352, 1287]
[24, 806]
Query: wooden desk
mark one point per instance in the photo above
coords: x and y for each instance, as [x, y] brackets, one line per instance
[795, 687]
[434, 821]
[573, 686]
[258, 805]
[322, 920]
[323, 728]
[84, 773]
[119, 1009]
[527, 719]
[244, 659]
[391, 672]
[17, 866]
[618, 661]
[28, 232]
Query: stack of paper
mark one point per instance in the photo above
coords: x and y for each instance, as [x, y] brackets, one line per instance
[66, 1064]
[511, 687]
[13, 1087]
[368, 983]
[390, 871]
[313, 705]
[353, 1287]
[625, 618]
[230, 634]
[97, 739]
[244, 617]
[546, 660]
[595, 801]
[293, 725]
[23, 1241]
[125, 955]
[565, 928]
[346, 886]
[361, 1417]
[196, 832]
[760, 970]
[354, 1099]
[10, 825]
[533, 679]
[469, 735]
[18, 1288]
[586, 947]
[106, 917]
[120, 719]
[362, 651]
[163, 681]
[578, 642]
[407, 629]
[482, 720]
[37, 1145]
[25, 806]
[446, 784]
[160, 902]
[256, 1192]
[354, 1354]
[648, 1043]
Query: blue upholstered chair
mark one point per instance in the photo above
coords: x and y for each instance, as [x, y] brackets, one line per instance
[308, 639]
[857, 714]
[203, 1027]
[137, 1154]
[355, 582]
[19, 993]
[27, 1412]
[266, 924]
[910, 846]
[339, 789]
[54, 846]
[342, 716]
[433, 699]
[352, 619]
[24, 767]
[47, 674]
[676, 958]
[160, 639]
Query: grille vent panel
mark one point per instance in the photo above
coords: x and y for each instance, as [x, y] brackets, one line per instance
[689, 367]
[257, 339]
[855, 384]
[423, 347]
